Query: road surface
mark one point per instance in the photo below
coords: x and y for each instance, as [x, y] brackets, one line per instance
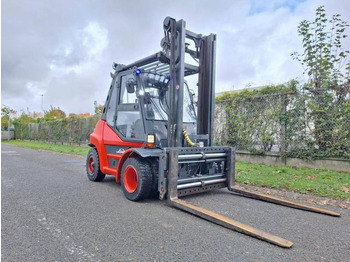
[52, 212]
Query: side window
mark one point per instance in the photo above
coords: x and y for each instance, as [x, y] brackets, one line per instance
[112, 105]
[125, 96]
[129, 122]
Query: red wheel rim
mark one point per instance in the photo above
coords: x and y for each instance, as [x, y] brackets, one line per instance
[130, 179]
[91, 164]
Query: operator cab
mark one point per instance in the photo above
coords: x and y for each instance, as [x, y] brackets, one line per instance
[137, 107]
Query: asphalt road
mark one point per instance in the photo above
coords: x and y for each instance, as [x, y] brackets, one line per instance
[52, 212]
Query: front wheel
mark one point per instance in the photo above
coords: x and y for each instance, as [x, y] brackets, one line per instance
[136, 179]
[93, 166]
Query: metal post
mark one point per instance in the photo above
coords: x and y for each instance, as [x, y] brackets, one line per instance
[206, 88]
[8, 128]
[180, 75]
[42, 102]
[172, 105]
[283, 149]
[177, 72]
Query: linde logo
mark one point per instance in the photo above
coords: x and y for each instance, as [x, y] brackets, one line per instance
[121, 151]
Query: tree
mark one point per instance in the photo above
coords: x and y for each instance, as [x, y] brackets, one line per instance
[24, 118]
[6, 113]
[84, 115]
[323, 55]
[37, 115]
[98, 108]
[323, 61]
[54, 113]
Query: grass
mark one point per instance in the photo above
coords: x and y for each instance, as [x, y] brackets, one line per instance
[320, 182]
[67, 149]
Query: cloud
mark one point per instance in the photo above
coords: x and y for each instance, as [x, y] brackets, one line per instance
[65, 49]
[73, 69]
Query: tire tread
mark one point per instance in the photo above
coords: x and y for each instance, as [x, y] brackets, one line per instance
[145, 180]
[97, 175]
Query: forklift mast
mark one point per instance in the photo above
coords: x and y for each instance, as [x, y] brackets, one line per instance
[175, 46]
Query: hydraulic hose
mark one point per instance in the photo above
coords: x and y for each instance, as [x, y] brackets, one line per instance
[187, 138]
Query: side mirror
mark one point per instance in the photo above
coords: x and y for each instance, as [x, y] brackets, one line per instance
[130, 85]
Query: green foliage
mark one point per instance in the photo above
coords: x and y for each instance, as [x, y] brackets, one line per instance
[98, 108]
[24, 118]
[282, 118]
[4, 122]
[328, 89]
[6, 113]
[321, 182]
[323, 53]
[73, 129]
[254, 117]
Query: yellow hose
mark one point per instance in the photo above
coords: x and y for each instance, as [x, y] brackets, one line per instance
[187, 138]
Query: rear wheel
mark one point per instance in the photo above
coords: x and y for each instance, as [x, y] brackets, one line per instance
[136, 179]
[93, 166]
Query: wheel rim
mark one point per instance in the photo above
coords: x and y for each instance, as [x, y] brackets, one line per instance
[130, 179]
[91, 164]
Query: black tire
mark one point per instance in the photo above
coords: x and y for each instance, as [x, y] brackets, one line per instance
[136, 179]
[93, 166]
[154, 194]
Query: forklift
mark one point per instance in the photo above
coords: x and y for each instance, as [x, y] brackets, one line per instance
[156, 136]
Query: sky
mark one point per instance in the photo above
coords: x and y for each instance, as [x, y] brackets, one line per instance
[60, 52]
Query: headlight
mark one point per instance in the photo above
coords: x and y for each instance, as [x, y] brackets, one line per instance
[151, 139]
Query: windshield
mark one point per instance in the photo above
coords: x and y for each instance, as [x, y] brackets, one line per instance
[154, 89]
[156, 98]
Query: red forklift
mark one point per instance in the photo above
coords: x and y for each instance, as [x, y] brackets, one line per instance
[156, 136]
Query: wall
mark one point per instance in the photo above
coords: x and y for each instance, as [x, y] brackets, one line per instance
[4, 135]
[274, 159]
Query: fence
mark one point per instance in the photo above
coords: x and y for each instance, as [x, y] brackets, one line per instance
[275, 119]
[291, 123]
[75, 130]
